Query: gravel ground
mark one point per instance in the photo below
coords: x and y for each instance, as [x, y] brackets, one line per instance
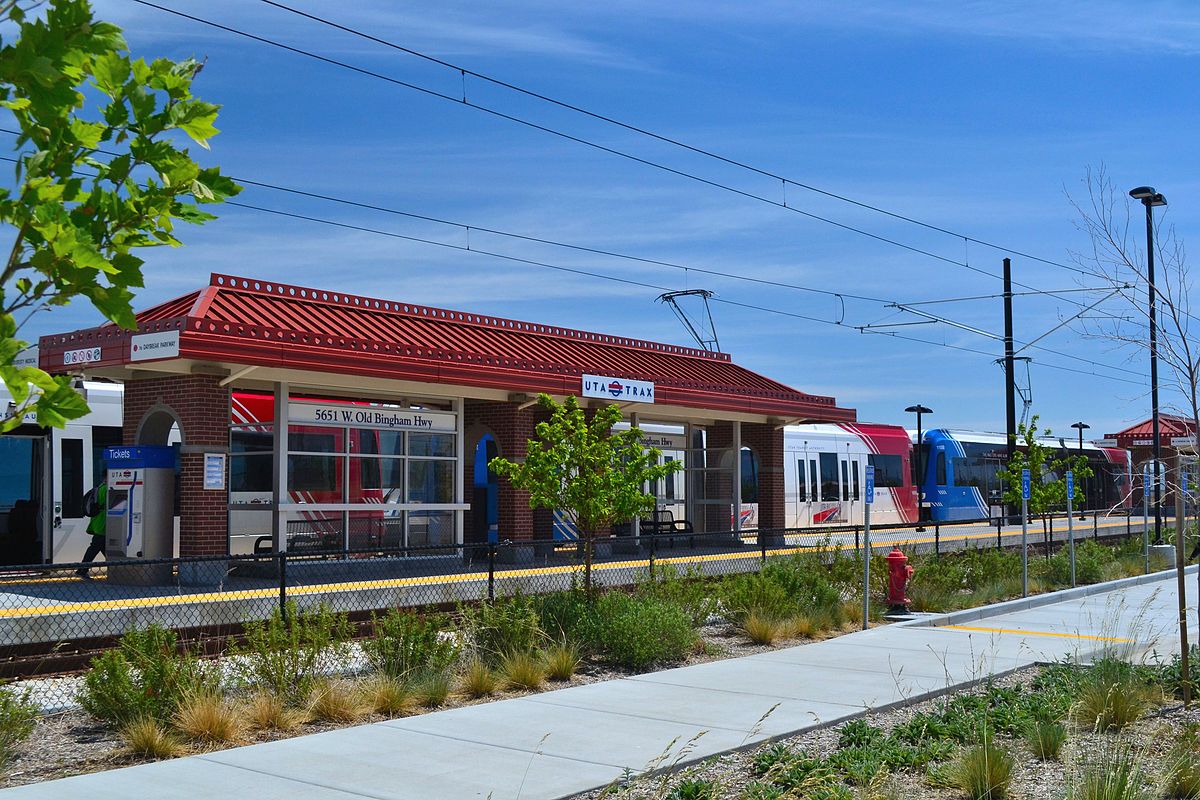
[69, 742]
[1149, 738]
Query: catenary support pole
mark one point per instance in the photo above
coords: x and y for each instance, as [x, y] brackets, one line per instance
[1010, 378]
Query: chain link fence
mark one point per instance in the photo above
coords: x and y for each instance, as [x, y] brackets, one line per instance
[53, 622]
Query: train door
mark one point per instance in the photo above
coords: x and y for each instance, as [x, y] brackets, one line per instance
[24, 477]
[851, 490]
[830, 510]
[806, 490]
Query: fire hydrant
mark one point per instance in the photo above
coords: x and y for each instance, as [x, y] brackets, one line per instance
[899, 573]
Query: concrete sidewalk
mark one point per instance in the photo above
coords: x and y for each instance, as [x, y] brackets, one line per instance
[558, 743]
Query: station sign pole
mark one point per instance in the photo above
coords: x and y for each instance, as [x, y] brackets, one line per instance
[1024, 533]
[868, 501]
[1146, 514]
[1070, 524]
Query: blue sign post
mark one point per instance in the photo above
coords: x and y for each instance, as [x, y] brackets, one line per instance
[869, 500]
[1024, 533]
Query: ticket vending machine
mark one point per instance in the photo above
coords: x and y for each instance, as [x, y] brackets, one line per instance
[141, 522]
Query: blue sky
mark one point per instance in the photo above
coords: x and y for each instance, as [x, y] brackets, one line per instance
[978, 117]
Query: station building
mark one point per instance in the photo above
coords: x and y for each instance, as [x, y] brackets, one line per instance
[310, 416]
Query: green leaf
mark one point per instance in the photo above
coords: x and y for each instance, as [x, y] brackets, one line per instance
[111, 70]
[196, 118]
[20, 104]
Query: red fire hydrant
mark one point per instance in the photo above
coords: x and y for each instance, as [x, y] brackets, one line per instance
[899, 573]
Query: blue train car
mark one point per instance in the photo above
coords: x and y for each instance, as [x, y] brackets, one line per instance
[960, 482]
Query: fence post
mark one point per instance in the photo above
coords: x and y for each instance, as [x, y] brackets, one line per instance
[652, 557]
[491, 572]
[857, 546]
[1128, 525]
[999, 532]
[937, 539]
[1095, 525]
[762, 547]
[283, 615]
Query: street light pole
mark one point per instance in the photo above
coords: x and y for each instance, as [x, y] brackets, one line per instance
[1081, 427]
[1150, 199]
[919, 410]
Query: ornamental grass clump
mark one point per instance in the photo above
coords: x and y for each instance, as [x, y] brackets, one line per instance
[1045, 738]
[477, 680]
[336, 701]
[761, 629]
[208, 718]
[387, 696]
[520, 670]
[149, 738]
[984, 771]
[1181, 773]
[1110, 699]
[1116, 775]
[267, 711]
[561, 660]
[433, 689]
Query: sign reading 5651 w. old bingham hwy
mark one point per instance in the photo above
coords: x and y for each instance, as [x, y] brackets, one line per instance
[609, 388]
[353, 415]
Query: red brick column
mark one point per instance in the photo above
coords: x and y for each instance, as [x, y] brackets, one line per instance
[512, 427]
[718, 485]
[767, 442]
[201, 407]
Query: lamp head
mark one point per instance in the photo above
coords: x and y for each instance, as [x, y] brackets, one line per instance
[919, 409]
[1148, 196]
[1082, 426]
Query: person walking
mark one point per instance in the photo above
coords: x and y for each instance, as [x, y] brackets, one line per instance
[95, 505]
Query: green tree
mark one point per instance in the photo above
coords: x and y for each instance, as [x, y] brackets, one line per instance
[91, 184]
[1047, 469]
[594, 475]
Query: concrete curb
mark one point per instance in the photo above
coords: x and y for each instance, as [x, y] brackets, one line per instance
[1037, 600]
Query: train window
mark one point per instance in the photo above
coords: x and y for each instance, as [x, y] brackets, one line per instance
[812, 479]
[845, 481]
[977, 472]
[668, 492]
[854, 478]
[889, 470]
[316, 474]
[749, 476]
[801, 481]
[941, 468]
[72, 478]
[829, 476]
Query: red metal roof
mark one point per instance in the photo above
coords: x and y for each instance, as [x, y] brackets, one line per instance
[247, 321]
[1169, 425]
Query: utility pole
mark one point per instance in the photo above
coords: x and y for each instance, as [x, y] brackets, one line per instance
[1010, 378]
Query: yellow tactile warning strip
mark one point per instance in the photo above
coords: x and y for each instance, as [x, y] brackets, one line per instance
[117, 604]
[1037, 633]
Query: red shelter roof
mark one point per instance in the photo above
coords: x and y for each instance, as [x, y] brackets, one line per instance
[1169, 426]
[264, 323]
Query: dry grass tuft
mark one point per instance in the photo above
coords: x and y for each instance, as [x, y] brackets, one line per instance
[561, 660]
[209, 718]
[336, 701]
[762, 629]
[267, 711]
[984, 772]
[798, 626]
[477, 680]
[147, 737]
[523, 671]
[387, 696]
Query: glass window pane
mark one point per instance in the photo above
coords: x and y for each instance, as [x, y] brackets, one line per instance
[316, 439]
[854, 478]
[430, 481]
[258, 439]
[376, 480]
[430, 528]
[431, 444]
[391, 443]
[364, 440]
[318, 476]
[888, 470]
[250, 473]
[829, 476]
[940, 469]
[72, 478]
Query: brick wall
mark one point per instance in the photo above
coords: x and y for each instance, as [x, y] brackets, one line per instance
[767, 442]
[201, 406]
[512, 428]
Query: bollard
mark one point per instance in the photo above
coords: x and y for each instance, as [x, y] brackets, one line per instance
[283, 587]
[491, 572]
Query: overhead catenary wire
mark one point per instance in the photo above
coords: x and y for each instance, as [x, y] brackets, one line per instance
[708, 153]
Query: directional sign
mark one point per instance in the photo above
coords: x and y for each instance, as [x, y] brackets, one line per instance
[1070, 485]
[1024, 484]
[870, 495]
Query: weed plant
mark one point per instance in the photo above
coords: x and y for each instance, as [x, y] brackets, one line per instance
[635, 632]
[18, 715]
[688, 588]
[693, 789]
[288, 657]
[149, 738]
[145, 676]
[406, 645]
[1181, 773]
[512, 625]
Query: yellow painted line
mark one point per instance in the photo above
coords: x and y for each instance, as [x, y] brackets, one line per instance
[1038, 633]
[434, 580]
